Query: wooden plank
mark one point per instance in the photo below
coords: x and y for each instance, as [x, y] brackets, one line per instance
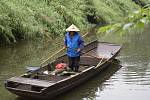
[34, 82]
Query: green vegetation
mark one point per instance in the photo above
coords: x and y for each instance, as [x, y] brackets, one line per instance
[137, 20]
[145, 1]
[29, 19]
[114, 10]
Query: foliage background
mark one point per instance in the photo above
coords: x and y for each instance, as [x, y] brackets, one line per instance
[32, 19]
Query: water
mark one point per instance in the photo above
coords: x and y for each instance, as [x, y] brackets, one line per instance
[130, 81]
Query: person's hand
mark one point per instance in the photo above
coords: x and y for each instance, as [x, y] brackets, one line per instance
[78, 50]
[64, 47]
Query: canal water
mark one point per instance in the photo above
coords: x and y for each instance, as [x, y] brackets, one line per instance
[129, 80]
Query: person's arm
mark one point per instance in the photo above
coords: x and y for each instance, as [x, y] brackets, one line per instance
[65, 42]
[81, 43]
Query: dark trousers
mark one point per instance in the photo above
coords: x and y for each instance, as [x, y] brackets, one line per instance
[74, 63]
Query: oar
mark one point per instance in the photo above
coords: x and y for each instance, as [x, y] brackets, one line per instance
[36, 68]
[100, 62]
[31, 68]
[52, 55]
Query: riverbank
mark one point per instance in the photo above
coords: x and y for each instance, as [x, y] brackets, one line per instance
[32, 19]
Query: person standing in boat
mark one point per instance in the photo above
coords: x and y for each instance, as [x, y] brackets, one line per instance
[74, 43]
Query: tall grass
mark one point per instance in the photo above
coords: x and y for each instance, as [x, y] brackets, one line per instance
[28, 19]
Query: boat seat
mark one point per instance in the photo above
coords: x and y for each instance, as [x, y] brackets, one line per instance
[33, 82]
[88, 61]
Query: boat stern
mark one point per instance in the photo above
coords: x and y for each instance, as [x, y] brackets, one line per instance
[26, 87]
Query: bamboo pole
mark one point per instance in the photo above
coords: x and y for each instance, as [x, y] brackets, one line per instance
[100, 62]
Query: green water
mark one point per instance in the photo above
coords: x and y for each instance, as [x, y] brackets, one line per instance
[129, 82]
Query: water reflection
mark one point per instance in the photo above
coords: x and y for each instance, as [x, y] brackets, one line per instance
[130, 82]
[134, 76]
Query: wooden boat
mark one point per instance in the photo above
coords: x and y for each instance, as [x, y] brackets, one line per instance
[35, 84]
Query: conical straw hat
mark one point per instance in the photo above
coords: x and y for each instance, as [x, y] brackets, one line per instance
[72, 28]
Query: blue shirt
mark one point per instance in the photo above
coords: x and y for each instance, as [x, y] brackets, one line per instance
[73, 43]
